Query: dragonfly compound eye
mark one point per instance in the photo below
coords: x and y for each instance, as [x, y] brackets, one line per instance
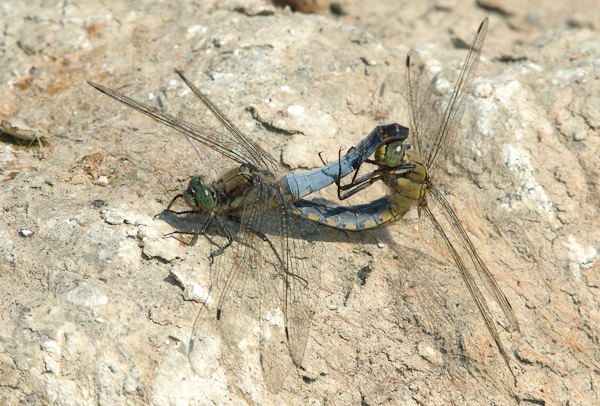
[199, 196]
[394, 154]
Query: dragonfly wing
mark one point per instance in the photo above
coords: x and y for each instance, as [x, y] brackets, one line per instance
[456, 105]
[261, 239]
[439, 215]
[290, 285]
[224, 143]
[424, 105]
[270, 275]
[482, 270]
[302, 260]
[435, 119]
[217, 331]
[204, 353]
[391, 102]
[255, 154]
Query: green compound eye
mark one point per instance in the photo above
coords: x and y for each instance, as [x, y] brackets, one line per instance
[204, 198]
[394, 154]
[199, 196]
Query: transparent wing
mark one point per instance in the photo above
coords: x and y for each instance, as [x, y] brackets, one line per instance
[434, 127]
[260, 158]
[205, 344]
[227, 144]
[303, 253]
[391, 101]
[439, 217]
[465, 242]
[294, 293]
[270, 278]
[261, 258]
[424, 106]
[218, 329]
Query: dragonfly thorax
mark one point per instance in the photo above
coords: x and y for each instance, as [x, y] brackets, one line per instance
[408, 187]
[199, 196]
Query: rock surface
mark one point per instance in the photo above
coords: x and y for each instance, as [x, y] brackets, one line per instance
[93, 306]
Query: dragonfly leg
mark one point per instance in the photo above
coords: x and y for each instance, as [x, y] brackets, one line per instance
[179, 213]
[321, 158]
[173, 201]
[358, 184]
[168, 209]
[201, 232]
[219, 251]
[338, 180]
[285, 271]
[362, 183]
[266, 239]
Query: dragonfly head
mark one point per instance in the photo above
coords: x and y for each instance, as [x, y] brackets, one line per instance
[199, 196]
[394, 153]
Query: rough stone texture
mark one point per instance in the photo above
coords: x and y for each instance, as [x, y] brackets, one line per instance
[92, 305]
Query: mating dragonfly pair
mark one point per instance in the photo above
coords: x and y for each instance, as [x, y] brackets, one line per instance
[273, 265]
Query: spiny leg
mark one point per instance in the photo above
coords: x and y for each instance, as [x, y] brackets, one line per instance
[225, 231]
[356, 185]
[203, 230]
[168, 209]
[263, 237]
[370, 178]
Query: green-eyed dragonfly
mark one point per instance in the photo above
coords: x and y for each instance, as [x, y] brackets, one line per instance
[273, 267]
[409, 177]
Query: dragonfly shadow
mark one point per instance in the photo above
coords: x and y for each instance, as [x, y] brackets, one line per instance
[368, 237]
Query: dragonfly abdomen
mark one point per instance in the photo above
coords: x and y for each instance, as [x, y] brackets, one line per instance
[354, 218]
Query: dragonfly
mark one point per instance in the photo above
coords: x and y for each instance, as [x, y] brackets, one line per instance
[271, 272]
[410, 179]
